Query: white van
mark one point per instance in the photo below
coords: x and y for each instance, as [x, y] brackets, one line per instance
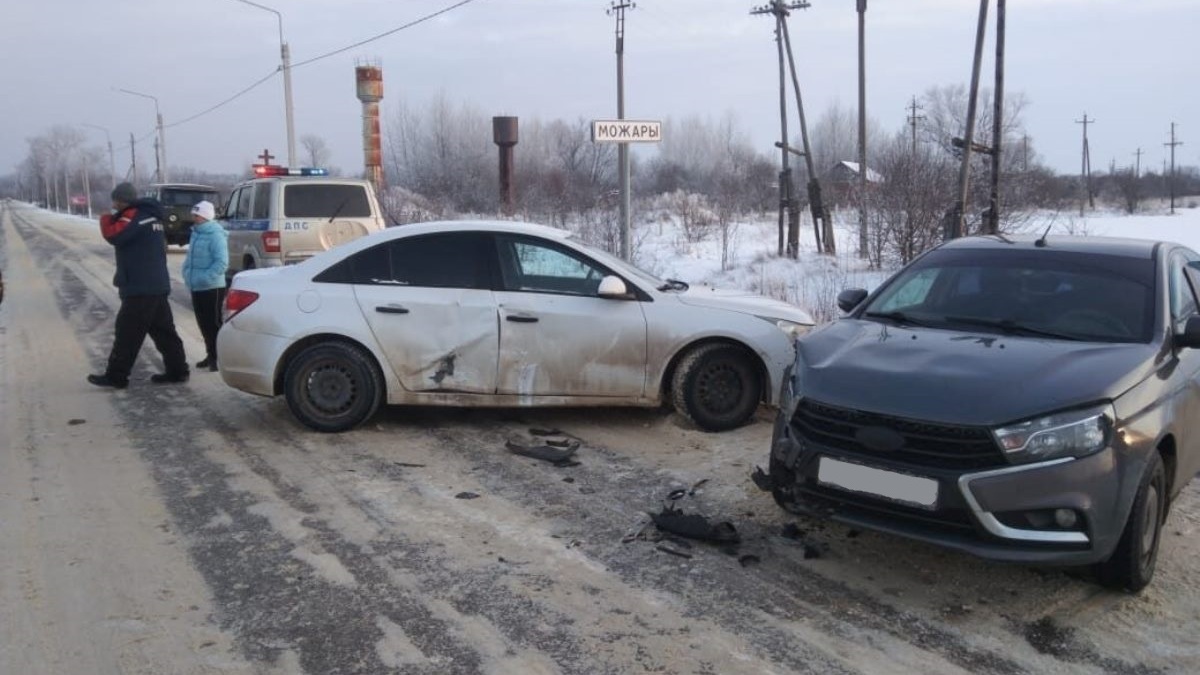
[285, 216]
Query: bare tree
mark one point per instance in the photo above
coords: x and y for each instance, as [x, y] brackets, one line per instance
[316, 149]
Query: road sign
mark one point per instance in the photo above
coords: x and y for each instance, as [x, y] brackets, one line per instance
[626, 131]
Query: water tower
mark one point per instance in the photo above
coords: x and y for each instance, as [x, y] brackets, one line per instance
[369, 78]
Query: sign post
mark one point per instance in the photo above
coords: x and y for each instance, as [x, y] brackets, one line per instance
[625, 132]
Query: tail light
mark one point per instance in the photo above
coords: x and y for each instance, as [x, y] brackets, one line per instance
[236, 300]
[270, 242]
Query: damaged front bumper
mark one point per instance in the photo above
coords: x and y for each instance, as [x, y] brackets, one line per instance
[1000, 513]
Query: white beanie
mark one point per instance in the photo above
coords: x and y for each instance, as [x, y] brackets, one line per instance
[204, 209]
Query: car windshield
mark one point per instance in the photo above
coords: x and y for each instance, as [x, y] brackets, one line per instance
[616, 263]
[186, 197]
[1045, 294]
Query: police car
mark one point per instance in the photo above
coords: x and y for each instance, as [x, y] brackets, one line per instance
[286, 215]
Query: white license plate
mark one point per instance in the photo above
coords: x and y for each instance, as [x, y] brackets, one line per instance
[868, 480]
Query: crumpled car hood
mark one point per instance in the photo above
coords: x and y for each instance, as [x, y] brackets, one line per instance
[747, 303]
[959, 377]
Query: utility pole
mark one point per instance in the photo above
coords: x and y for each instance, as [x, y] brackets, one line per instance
[87, 184]
[913, 117]
[132, 159]
[964, 176]
[1085, 169]
[1171, 180]
[863, 240]
[1138, 171]
[112, 162]
[157, 166]
[1025, 153]
[788, 205]
[993, 224]
[618, 10]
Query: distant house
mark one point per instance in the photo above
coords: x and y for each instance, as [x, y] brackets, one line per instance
[843, 180]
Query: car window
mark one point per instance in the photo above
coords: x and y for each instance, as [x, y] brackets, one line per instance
[324, 200]
[909, 293]
[185, 197]
[1183, 297]
[240, 209]
[535, 265]
[452, 260]
[262, 201]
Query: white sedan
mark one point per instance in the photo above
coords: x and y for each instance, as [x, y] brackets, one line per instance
[497, 314]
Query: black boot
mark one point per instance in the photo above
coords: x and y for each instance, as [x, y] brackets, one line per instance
[170, 378]
[105, 380]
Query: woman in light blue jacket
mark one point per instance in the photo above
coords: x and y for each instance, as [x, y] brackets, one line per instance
[204, 273]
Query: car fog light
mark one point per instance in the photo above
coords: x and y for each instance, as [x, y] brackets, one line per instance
[1065, 518]
[173, 218]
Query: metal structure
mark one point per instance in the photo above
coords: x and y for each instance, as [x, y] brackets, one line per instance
[286, 66]
[160, 149]
[1085, 168]
[369, 79]
[504, 135]
[863, 242]
[913, 118]
[992, 224]
[618, 10]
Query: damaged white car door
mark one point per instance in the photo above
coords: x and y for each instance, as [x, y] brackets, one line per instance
[430, 306]
[558, 337]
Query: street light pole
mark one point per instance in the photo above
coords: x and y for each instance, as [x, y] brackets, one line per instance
[160, 152]
[285, 57]
[112, 163]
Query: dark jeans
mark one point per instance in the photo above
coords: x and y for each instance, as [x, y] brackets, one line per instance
[207, 306]
[138, 317]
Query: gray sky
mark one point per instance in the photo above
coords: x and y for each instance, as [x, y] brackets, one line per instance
[1133, 65]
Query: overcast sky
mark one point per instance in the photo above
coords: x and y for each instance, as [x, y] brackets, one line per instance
[1133, 65]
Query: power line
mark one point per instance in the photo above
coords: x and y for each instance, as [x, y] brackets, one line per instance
[384, 34]
[227, 101]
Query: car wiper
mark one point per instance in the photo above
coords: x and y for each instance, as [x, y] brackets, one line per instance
[1013, 327]
[674, 285]
[338, 210]
[898, 317]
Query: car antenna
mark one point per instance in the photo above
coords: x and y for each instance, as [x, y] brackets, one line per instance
[1041, 242]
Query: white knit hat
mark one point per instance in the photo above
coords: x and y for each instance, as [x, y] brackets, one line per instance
[205, 210]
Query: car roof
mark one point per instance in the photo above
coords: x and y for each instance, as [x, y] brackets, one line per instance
[509, 226]
[184, 186]
[1132, 248]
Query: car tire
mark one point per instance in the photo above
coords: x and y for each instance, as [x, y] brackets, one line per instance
[1131, 565]
[333, 386]
[716, 386]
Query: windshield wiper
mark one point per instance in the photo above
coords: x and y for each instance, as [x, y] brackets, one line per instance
[898, 317]
[674, 285]
[338, 210]
[1012, 327]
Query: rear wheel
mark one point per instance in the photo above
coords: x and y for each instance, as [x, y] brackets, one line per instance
[1131, 565]
[717, 386]
[333, 386]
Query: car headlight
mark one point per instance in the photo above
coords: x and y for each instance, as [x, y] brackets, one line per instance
[790, 328]
[1070, 434]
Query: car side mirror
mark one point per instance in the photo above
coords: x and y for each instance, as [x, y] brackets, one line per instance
[1189, 337]
[612, 287]
[850, 298]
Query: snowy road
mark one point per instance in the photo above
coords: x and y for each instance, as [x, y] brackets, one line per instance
[196, 529]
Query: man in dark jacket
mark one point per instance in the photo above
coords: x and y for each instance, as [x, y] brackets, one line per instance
[136, 232]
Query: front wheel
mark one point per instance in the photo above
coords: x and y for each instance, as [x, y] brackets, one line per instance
[717, 386]
[333, 386]
[1131, 565]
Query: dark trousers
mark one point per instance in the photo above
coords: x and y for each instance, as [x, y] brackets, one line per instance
[207, 306]
[138, 317]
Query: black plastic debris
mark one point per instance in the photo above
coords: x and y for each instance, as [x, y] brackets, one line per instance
[749, 559]
[811, 552]
[851, 534]
[466, 495]
[791, 531]
[76, 422]
[694, 526]
[558, 442]
[762, 479]
[677, 494]
[546, 432]
[568, 479]
[674, 552]
[699, 484]
[560, 457]
[409, 465]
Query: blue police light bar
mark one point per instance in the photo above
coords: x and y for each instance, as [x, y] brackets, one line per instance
[265, 170]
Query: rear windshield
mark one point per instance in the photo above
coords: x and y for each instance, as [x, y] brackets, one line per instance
[186, 197]
[325, 201]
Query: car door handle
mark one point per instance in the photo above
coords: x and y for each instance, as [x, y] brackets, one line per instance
[391, 309]
[521, 318]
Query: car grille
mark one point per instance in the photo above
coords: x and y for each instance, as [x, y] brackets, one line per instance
[926, 444]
